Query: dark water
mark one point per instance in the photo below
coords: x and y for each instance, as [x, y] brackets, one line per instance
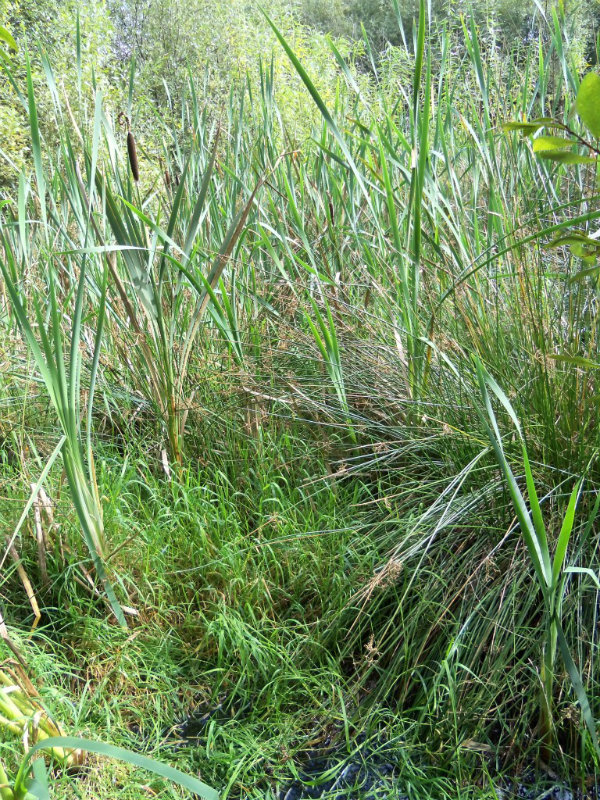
[370, 773]
[371, 768]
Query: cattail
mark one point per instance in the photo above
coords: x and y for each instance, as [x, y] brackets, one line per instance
[132, 153]
[123, 119]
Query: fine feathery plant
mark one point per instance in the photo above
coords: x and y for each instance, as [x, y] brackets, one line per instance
[550, 569]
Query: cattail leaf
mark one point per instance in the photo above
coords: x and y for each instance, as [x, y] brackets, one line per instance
[324, 111]
[134, 247]
[232, 236]
[536, 545]
[121, 754]
[36, 144]
[173, 218]
[195, 218]
[344, 67]
[584, 571]
[160, 233]
[51, 82]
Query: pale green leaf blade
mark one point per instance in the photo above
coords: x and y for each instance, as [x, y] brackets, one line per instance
[39, 785]
[584, 571]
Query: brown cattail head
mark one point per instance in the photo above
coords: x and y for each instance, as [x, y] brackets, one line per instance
[132, 153]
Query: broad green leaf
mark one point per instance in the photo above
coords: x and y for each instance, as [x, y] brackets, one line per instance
[39, 785]
[573, 238]
[579, 243]
[589, 258]
[565, 158]
[588, 103]
[526, 128]
[543, 143]
[590, 272]
[585, 251]
[549, 122]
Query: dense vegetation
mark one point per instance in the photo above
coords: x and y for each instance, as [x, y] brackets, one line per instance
[298, 360]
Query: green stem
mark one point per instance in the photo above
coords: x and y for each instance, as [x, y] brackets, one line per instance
[6, 793]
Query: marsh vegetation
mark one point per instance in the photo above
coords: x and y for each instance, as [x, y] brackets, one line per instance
[298, 410]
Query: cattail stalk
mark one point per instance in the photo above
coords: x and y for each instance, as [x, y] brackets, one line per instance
[132, 153]
[123, 119]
